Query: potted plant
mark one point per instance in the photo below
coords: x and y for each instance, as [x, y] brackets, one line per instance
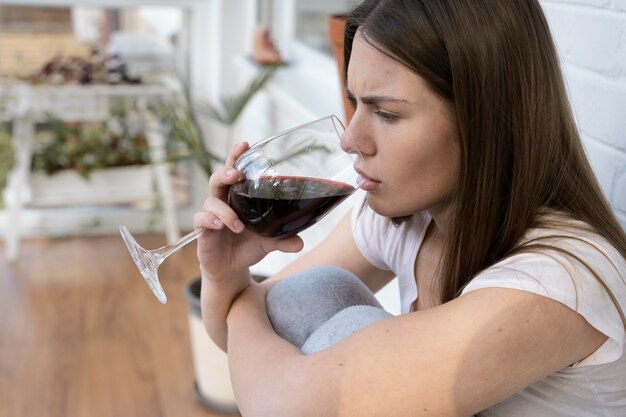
[212, 385]
[71, 161]
[74, 163]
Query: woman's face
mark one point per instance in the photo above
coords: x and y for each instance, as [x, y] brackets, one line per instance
[404, 134]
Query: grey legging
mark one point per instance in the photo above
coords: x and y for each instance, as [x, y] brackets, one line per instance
[318, 307]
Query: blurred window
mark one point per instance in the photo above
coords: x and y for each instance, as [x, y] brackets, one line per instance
[35, 19]
[148, 39]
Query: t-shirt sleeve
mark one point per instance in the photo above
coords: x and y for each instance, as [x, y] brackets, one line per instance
[564, 279]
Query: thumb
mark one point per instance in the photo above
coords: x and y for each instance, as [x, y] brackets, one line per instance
[291, 244]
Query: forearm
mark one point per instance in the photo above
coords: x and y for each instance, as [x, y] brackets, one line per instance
[267, 372]
[217, 297]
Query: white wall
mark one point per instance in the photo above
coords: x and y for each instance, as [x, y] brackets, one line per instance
[591, 38]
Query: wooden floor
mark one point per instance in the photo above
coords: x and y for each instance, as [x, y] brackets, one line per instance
[81, 335]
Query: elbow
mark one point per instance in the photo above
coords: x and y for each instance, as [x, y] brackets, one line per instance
[281, 404]
[297, 393]
[203, 326]
[262, 402]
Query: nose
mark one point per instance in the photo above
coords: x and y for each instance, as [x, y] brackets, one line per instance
[346, 141]
[355, 139]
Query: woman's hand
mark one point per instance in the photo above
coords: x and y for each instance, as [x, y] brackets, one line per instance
[227, 248]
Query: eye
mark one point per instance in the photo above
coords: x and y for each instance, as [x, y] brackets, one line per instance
[387, 117]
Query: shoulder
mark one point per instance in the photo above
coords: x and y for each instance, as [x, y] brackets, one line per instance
[573, 265]
[568, 254]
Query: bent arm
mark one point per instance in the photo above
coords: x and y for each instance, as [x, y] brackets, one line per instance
[218, 294]
[451, 360]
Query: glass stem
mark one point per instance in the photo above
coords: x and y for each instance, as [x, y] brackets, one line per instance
[167, 250]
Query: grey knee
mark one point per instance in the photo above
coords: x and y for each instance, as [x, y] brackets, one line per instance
[298, 305]
[341, 325]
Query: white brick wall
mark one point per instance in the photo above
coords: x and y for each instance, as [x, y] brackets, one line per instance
[590, 36]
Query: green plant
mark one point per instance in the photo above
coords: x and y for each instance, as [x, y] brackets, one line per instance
[183, 128]
[6, 157]
[182, 117]
[85, 147]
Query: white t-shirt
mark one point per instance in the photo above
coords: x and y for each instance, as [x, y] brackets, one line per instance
[595, 386]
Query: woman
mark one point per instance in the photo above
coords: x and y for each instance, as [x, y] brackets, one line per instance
[511, 266]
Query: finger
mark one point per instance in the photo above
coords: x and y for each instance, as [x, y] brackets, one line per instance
[207, 220]
[221, 180]
[237, 150]
[226, 176]
[222, 212]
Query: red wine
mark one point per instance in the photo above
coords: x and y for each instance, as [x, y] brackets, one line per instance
[284, 206]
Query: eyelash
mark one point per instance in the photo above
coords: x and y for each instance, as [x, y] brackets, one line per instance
[386, 117]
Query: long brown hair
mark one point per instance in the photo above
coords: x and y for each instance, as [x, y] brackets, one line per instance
[495, 63]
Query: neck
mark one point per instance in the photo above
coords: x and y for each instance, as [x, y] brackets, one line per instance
[441, 220]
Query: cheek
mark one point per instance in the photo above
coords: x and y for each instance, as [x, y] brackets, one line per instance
[449, 169]
[430, 163]
[408, 171]
[444, 146]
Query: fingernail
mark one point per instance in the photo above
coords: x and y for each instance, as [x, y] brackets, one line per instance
[217, 222]
[230, 172]
[238, 225]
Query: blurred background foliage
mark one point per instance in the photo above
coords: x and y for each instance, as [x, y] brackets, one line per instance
[121, 140]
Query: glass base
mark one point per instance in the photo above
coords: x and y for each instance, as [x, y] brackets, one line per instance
[147, 263]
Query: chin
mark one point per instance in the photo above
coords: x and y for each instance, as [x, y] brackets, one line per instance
[388, 208]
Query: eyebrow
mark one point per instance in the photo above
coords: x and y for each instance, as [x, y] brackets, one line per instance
[372, 100]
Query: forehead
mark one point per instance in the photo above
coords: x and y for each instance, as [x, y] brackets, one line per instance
[371, 71]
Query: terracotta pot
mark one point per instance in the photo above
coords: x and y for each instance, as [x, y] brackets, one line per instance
[336, 26]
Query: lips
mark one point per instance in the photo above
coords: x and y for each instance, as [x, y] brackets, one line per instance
[366, 182]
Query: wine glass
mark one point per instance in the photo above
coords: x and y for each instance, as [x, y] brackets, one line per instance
[290, 181]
